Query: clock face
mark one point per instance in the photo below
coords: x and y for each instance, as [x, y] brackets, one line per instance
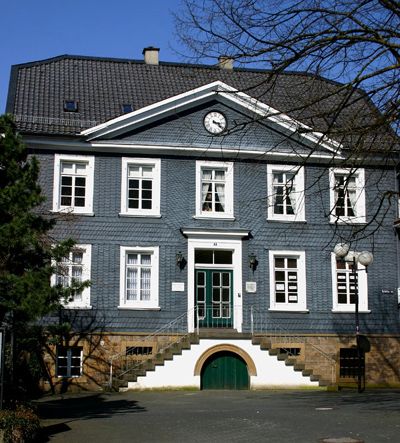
[215, 122]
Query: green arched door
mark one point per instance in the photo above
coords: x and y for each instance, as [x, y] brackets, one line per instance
[224, 370]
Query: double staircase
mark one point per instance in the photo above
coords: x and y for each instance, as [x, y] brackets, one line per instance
[294, 351]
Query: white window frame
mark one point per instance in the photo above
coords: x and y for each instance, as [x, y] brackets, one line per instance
[156, 180]
[89, 160]
[153, 303]
[68, 359]
[229, 170]
[362, 289]
[299, 214]
[359, 207]
[301, 305]
[84, 303]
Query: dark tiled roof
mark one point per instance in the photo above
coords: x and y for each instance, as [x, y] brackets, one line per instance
[38, 91]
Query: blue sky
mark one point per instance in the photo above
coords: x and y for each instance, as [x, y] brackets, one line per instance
[38, 29]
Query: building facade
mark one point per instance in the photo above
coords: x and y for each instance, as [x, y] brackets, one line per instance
[205, 215]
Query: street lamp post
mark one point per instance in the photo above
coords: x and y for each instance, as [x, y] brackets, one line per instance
[365, 258]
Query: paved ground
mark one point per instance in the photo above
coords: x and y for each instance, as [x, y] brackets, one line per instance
[222, 416]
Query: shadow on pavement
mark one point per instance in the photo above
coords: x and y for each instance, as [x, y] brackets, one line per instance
[80, 407]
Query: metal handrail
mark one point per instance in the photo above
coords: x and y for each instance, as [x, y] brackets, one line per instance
[278, 332]
[177, 325]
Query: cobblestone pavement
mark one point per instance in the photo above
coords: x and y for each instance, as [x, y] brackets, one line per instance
[222, 416]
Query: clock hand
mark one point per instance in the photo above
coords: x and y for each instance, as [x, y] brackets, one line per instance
[217, 123]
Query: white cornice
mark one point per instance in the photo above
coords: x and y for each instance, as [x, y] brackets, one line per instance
[210, 233]
[122, 147]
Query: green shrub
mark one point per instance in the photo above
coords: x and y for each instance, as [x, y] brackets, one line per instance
[20, 425]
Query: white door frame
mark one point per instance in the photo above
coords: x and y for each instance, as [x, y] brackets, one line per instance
[212, 240]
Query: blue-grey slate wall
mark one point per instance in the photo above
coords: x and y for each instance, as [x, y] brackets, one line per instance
[187, 129]
[106, 231]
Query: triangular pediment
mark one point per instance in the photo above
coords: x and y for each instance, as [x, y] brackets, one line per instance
[215, 91]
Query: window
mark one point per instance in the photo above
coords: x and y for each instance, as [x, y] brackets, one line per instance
[350, 363]
[214, 189]
[140, 191]
[139, 277]
[70, 106]
[126, 108]
[347, 195]
[287, 281]
[75, 268]
[213, 257]
[69, 361]
[139, 350]
[345, 285]
[286, 192]
[73, 184]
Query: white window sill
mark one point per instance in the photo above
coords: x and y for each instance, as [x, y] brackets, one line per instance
[348, 221]
[67, 212]
[214, 217]
[286, 220]
[139, 308]
[289, 309]
[129, 214]
[351, 311]
[77, 307]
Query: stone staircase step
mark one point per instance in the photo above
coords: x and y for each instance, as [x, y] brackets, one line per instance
[290, 361]
[157, 360]
[299, 367]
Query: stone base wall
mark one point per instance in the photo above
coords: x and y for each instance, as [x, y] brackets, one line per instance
[317, 352]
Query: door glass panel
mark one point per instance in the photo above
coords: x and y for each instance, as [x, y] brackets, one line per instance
[216, 311]
[225, 279]
[216, 294]
[216, 279]
[226, 311]
[200, 278]
[225, 294]
[200, 294]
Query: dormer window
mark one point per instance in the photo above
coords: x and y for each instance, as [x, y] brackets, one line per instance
[70, 106]
[126, 108]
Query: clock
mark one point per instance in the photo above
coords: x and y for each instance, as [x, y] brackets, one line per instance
[215, 122]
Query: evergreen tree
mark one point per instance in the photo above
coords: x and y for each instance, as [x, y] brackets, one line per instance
[27, 251]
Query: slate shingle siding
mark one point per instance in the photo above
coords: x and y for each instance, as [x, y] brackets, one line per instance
[106, 231]
[187, 129]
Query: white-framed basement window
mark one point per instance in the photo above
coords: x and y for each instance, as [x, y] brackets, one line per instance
[344, 286]
[287, 281]
[347, 195]
[140, 187]
[73, 183]
[214, 189]
[69, 361]
[285, 192]
[75, 267]
[139, 271]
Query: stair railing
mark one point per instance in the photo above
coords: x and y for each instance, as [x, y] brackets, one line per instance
[126, 364]
[280, 335]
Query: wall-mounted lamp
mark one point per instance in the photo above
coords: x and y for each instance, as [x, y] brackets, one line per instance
[252, 262]
[180, 260]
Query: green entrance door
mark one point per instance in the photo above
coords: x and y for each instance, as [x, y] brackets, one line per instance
[214, 298]
[224, 370]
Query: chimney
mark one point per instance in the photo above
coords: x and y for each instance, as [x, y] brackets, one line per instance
[151, 55]
[225, 62]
